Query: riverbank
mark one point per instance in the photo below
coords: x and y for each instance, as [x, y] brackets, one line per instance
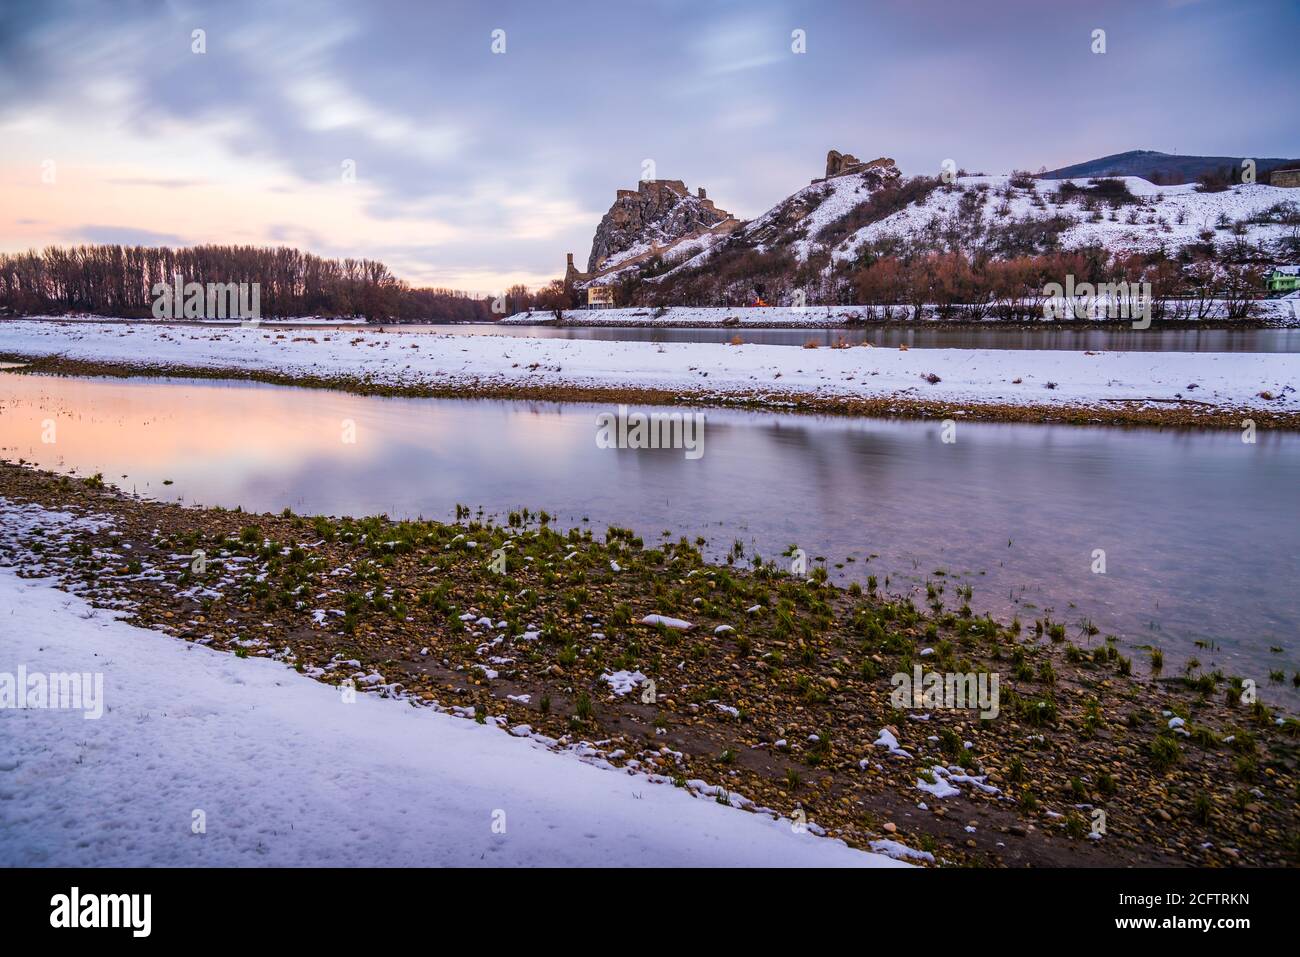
[202, 759]
[1268, 313]
[1197, 389]
[777, 700]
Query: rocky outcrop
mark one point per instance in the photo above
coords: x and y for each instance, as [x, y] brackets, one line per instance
[841, 164]
[659, 226]
[657, 213]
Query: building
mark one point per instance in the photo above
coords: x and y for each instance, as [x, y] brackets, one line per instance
[1284, 279]
[1284, 177]
[600, 297]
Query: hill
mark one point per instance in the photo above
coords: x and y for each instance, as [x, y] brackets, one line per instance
[1166, 168]
[865, 233]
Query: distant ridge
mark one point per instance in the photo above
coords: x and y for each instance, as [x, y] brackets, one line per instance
[1165, 168]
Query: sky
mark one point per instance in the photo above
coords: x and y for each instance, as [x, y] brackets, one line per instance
[464, 157]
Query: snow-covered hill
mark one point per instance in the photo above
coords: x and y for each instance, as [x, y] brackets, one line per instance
[817, 237]
[1164, 217]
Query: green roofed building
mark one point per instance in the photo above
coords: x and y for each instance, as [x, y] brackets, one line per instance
[1284, 279]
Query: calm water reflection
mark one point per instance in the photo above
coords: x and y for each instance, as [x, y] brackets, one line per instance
[1200, 530]
[929, 337]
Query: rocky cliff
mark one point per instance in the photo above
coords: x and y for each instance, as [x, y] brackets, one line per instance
[658, 213]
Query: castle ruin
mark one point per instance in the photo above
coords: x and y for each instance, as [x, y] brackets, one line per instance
[841, 164]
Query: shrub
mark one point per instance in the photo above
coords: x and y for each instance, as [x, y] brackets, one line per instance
[1164, 752]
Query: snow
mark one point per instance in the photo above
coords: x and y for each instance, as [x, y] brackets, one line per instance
[265, 323]
[1167, 219]
[681, 251]
[621, 682]
[888, 740]
[764, 317]
[901, 852]
[946, 779]
[735, 318]
[833, 198]
[940, 788]
[676, 624]
[285, 773]
[1156, 228]
[701, 369]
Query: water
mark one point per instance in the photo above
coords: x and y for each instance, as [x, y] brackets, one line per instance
[929, 335]
[924, 337]
[1199, 529]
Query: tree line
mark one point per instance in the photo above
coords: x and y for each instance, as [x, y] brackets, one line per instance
[119, 281]
[954, 285]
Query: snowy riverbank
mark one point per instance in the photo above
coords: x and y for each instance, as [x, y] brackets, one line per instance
[1274, 312]
[703, 372]
[284, 773]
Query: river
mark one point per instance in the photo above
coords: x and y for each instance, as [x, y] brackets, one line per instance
[1199, 528]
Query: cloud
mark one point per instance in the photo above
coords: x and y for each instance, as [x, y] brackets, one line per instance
[122, 235]
[159, 182]
[478, 165]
